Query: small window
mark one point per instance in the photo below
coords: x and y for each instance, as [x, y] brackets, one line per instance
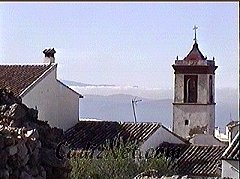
[211, 100]
[186, 122]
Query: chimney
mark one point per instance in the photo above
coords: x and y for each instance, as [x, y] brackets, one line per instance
[49, 55]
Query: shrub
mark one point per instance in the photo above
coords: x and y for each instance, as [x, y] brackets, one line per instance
[117, 161]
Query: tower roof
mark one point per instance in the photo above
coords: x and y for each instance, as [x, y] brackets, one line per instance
[195, 53]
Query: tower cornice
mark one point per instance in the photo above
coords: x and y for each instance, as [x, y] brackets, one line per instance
[187, 69]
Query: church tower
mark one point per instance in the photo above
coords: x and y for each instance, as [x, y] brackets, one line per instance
[194, 94]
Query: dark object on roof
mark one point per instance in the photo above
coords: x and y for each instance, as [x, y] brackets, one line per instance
[193, 160]
[232, 152]
[92, 134]
[233, 123]
[18, 78]
[49, 52]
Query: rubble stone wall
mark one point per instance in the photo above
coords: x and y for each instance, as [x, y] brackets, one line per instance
[27, 145]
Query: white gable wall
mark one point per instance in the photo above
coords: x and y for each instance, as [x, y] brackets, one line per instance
[55, 103]
[230, 168]
[69, 110]
[158, 137]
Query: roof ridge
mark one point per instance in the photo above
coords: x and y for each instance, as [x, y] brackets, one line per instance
[26, 64]
[18, 77]
[130, 122]
[231, 146]
[195, 49]
[51, 67]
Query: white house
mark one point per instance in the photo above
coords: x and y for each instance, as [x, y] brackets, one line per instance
[92, 134]
[221, 136]
[161, 135]
[232, 128]
[39, 88]
[230, 159]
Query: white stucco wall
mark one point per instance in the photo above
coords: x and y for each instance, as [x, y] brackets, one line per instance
[198, 115]
[160, 136]
[55, 103]
[230, 168]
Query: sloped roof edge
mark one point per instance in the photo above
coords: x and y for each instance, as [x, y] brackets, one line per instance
[196, 50]
[53, 66]
[179, 137]
[97, 132]
[232, 151]
[80, 96]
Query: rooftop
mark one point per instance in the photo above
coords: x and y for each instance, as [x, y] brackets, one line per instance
[232, 152]
[194, 160]
[92, 134]
[19, 77]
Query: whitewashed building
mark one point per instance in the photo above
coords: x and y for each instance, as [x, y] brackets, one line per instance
[92, 134]
[230, 159]
[39, 88]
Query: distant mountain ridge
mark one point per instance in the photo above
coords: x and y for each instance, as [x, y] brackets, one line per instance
[74, 83]
[114, 103]
[119, 108]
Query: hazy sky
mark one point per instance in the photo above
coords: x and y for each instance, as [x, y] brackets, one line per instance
[121, 43]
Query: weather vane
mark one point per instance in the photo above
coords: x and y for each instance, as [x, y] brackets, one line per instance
[195, 30]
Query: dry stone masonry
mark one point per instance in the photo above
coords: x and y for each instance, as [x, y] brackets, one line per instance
[27, 145]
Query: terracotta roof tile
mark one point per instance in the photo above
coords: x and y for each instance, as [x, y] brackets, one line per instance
[92, 134]
[18, 77]
[194, 160]
[195, 54]
[232, 152]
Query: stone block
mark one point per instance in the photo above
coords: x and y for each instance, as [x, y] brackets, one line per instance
[3, 158]
[9, 140]
[22, 150]
[25, 175]
[12, 150]
[4, 174]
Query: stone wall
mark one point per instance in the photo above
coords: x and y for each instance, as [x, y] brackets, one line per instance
[27, 145]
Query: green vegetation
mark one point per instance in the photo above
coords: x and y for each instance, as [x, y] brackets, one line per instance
[115, 162]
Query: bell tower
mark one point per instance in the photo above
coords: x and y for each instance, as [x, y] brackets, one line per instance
[194, 94]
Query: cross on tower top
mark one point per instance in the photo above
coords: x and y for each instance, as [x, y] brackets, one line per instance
[195, 33]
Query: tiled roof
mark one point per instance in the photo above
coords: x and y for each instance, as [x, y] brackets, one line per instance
[194, 160]
[19, 77]
[232, 152]
[195, 54]
[92, 134]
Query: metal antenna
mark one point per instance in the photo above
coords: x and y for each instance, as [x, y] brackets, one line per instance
[134, 102]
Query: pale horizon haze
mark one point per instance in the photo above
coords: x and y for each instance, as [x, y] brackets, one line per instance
[121, 43]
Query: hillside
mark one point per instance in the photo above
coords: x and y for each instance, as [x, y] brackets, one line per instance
[111, 102]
